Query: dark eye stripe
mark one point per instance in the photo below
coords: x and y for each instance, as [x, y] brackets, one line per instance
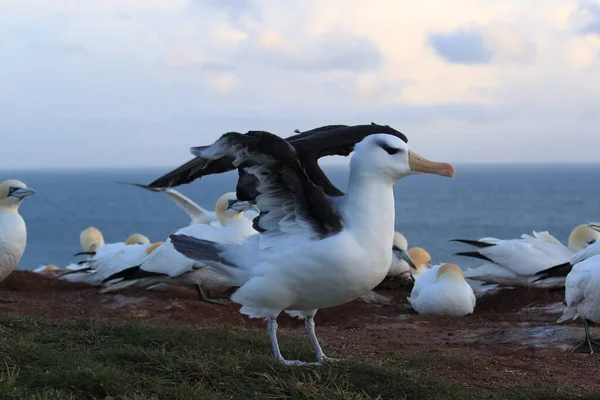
[11, 189]
[389, 150]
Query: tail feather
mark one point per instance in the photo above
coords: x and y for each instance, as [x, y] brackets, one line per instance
[126, 274]
[475, 243]
[569, 313]
[473, 254]
[204, 251]
[560, 270]
[199, 249]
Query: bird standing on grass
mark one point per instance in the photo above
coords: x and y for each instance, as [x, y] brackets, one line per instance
[310, 253]
[13, 231]
[582, 295]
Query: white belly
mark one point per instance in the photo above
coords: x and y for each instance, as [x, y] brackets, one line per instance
[13, 237]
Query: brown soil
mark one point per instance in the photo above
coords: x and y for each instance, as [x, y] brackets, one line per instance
[510, 340]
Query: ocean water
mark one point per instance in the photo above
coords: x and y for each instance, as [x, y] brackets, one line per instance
[483, 200]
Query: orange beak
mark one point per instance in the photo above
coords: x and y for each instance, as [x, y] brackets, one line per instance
[423, 165]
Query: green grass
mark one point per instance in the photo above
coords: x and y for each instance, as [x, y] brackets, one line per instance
[91, 359]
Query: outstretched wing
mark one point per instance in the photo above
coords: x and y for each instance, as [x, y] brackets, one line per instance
[288, 201]
[310, 146]
[195, 212]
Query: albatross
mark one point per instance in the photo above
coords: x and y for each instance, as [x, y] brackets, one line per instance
[309, 147]
[310, 253]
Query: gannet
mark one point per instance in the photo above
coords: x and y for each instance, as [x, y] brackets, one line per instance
[421, 259]
[48, 270]
[91, 239]
[309, 254]
[401, 261]
[586, 241]
[516, 262]
[13, 232]
[582, 295]
[110, 259]
[167, 265]
[309, 146]
[442, 290]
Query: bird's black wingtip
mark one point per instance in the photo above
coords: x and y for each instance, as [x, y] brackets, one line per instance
[475, 243]
[85, 253]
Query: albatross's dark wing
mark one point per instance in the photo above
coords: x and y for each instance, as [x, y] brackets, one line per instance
[192, 170]
[288, 201]
[310, 146]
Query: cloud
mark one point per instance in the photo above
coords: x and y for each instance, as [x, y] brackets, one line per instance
[461, 47]
[462, 78]
[333, 50]
[587, 17]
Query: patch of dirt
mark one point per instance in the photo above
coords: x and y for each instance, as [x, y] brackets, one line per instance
[511, 339]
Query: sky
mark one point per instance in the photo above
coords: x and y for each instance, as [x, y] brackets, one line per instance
[135, 83]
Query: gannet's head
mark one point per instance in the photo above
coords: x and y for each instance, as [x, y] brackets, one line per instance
[12, 193]
[387, 155]
[229, 207]
[583, 236]
[450, 271]
[137, 238]
[51, 268]
[421, 260]
[400, 241]
[91, 239]
[153, 247]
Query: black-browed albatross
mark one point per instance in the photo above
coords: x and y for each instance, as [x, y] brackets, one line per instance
[309, 254]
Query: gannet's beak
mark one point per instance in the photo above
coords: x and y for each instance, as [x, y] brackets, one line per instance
[403, 255]
[20, 193]
[240, 206]
[423, 165]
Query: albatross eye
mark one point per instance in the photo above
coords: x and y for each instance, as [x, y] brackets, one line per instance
[391, 150]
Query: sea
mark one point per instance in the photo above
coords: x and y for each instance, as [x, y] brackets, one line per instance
[502, 201]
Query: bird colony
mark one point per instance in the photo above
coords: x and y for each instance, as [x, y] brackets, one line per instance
[287, 240]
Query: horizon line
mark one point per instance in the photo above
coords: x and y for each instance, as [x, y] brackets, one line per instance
[327, 165]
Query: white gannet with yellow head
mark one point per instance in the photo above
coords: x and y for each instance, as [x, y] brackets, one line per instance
[110, 259]
[421, 260]
[137, 238]
[442, 290]
[167, 265]
[519, 262]
[13, 232]
[48, 270]
[91, 240]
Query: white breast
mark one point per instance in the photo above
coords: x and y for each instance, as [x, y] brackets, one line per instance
[13, 237]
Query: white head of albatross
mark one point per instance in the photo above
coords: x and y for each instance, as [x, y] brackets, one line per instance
[310, 253]
[13, 232]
